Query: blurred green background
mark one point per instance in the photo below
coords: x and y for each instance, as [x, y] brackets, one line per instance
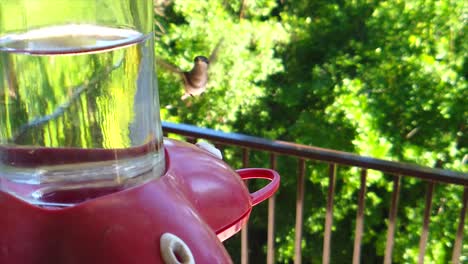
[385, 79]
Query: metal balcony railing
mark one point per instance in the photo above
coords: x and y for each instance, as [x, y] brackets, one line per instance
[303, 153]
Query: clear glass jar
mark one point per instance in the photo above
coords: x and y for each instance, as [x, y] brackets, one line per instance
[79, 107]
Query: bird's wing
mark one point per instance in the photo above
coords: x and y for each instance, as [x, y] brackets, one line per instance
[167, 65]
[214, 54]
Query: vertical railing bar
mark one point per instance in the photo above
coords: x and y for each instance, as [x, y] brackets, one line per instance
[457, 248]
[299, 213]
[245, 229]
[392, 220]
[329, 214]
[427, 216]
[220, 147]
[245, 157]
[271, 219]
[360, 218]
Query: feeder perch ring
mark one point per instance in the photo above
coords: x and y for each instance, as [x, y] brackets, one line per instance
[175, 251]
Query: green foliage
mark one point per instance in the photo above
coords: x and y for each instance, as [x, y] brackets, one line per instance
[385, 79]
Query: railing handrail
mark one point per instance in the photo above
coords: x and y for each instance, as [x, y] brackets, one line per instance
[316, 153]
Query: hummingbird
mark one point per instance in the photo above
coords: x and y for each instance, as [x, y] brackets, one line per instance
[196, 79]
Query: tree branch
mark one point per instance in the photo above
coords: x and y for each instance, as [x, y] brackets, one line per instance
[242, 9]
[77, 91]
